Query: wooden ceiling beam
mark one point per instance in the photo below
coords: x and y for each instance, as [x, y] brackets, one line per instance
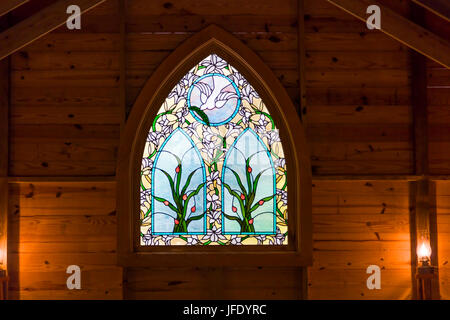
[438, 7]
[9, 5]
[40, 24]
[401, 29]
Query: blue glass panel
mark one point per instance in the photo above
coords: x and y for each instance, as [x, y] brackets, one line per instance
[248, 187]
[178, 187]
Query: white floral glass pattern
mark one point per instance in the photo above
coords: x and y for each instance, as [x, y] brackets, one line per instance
[213, 170]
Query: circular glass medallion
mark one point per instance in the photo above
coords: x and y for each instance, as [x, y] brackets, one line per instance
[213, 99]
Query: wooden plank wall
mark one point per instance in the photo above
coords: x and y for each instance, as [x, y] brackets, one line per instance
[214, 283]
[443, 219]
[4, 120]
[156, 28]
[64, 107]
[359, 123]
[65, 121]
[53, 226]
[439, 154]
[358, 91]
[438, 92]
[358, 224]
[439, 118]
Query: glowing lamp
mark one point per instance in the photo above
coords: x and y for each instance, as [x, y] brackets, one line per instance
[425, 271]
[424, 253]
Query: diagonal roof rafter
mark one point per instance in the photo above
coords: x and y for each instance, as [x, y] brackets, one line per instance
[9, 5]
[438, 7]
[39, 24]
[401, 29]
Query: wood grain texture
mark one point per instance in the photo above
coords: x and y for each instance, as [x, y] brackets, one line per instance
[423, 216]
[438, 7]
[214, 39]
[65, 116]
[439, 89]
[57, 225]
[214, 283]
[39, 25]
[420, 110]
[357, 224]
[4, 159]
[3, 223]
[359, 96]
[443, 228]
[401, 29]
[8, 5]
[301, 51]
[4, 115]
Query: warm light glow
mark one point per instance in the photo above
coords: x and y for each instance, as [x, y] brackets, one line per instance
[424, 251]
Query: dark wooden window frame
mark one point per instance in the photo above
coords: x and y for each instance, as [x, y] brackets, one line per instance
[213, 39]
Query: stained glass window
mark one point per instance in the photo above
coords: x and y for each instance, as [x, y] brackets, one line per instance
[213, 170]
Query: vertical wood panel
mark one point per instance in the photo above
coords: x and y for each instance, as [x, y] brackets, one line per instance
[413, 236]
[3, 223]
[4, 112]
[419, 102]
[4, 152]
[425, 197]
[303, 111]
[443, 227]
[303, 108]
[122, 7]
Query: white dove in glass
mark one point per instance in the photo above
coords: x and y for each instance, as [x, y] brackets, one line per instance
[214, 99]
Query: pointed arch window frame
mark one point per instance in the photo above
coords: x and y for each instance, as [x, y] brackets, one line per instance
[210, 40]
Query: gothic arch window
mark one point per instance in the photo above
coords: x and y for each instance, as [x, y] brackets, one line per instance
[213, 160]
[213, 118]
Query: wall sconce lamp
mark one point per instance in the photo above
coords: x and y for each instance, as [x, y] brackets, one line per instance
[425, 271]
